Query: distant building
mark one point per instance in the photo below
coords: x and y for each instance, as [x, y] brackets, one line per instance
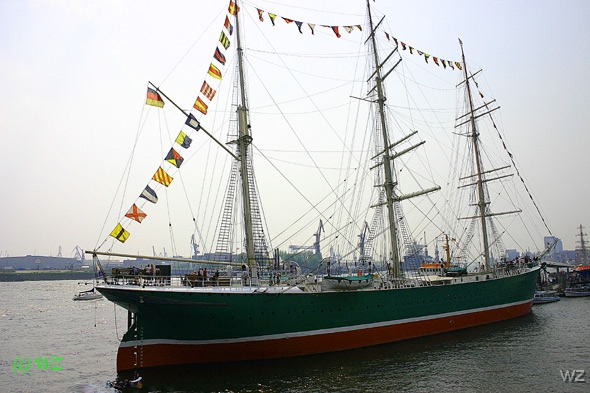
[512, 254]
[548, 240]
[558, 254]
[39, 262]
[568, 255]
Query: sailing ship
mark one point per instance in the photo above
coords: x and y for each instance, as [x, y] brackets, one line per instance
[259, 303]
[580, 277]
[582, 254]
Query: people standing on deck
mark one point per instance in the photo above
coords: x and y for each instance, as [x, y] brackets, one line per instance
[245, 274]
[229, 272]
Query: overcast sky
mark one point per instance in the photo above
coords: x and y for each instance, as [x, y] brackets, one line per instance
[73, 76]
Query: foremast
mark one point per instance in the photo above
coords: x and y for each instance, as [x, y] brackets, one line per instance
[244, 141]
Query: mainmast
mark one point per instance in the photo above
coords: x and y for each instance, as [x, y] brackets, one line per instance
[582, 248]
[244, 141]
[481, 204]
[387, 156]
[387, 160]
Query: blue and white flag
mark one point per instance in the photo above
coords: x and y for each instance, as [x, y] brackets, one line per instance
[149, 194]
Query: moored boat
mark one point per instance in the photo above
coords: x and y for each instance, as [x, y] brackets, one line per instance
[254, 309]
[577, 291]
[542, 297]
[91, 294]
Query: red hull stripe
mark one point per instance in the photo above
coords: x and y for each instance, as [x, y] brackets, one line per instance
[151, 353]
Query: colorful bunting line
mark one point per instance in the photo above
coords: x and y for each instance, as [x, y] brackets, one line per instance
[135, 213]
[183, 140]
[350, 28]
[437, 60]
[335, 29]
[207, 91]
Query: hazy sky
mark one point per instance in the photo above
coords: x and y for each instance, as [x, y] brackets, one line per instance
[73, 76]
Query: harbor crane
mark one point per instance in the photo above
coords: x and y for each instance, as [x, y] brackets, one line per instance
[316, 245]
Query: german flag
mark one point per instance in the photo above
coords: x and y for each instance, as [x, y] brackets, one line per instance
[154, 99]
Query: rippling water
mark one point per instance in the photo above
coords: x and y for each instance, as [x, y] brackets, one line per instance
[39, 320]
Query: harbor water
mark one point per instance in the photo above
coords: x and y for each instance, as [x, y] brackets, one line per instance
[51, 343]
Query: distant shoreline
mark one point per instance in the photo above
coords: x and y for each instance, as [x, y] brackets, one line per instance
[44, 275]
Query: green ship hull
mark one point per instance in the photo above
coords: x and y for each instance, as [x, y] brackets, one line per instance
[181, 325]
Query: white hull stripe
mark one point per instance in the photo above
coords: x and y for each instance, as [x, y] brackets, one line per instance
[319, 331]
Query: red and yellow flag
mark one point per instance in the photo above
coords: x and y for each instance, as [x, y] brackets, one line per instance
[214, 72]
[162, 177]
[233, 8]
[200, 106]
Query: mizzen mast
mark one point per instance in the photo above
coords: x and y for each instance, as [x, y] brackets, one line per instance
[481, 204]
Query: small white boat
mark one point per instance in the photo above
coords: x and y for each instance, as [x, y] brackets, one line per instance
[577, 291]
[542, 297]
[91, 294]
